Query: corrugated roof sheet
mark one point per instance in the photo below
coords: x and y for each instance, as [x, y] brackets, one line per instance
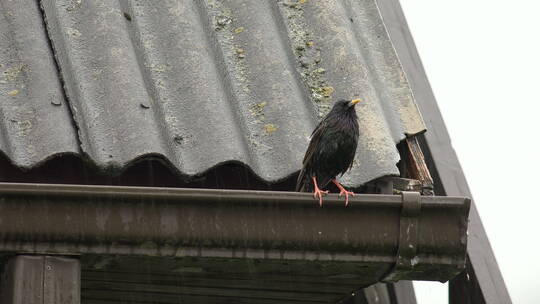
[198, 83]
[34, 116]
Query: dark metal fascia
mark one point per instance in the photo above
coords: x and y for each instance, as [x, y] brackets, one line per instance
[79, 219]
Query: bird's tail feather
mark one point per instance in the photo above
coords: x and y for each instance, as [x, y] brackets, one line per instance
[303, 183]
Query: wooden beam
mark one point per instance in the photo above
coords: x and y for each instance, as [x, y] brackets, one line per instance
[39, 279]
[416, 166]
[377, 294]
[465, 289]
[23, 273]
[402, 292]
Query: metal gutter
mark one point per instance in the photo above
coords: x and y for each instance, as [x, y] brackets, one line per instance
[259, 246]
[73, 219]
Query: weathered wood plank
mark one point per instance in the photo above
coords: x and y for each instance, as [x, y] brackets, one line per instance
[140, 289]
[465, 288]
[377, 294]
[62, 280]
[211, 281]
[98, 297]
[416, 165]
[336, 273]
[41, 280]
[230, 279]
[403, 292]
[22, 281]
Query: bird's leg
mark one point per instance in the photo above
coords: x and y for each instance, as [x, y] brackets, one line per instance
[343, 191]
[318, 192]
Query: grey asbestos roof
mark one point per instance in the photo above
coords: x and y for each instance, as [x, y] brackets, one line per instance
[197, 82]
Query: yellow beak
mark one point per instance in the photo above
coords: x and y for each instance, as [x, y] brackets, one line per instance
[355, 101]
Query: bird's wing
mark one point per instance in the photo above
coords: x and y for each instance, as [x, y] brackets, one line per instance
[315, 138]
[350, 157]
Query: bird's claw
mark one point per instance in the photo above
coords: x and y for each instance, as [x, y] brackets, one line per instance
[347, 193]
[319, 193]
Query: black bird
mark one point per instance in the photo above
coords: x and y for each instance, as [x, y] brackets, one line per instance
[331, 150]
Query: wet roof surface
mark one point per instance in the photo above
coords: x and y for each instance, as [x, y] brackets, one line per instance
[197, 83]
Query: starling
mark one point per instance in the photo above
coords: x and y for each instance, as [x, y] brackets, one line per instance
[331, 150]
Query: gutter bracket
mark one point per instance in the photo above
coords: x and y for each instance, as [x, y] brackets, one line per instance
[408, 237]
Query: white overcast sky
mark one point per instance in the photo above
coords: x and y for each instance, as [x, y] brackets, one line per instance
[482, 58]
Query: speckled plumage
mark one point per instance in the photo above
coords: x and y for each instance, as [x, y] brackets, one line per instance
[332, 147]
